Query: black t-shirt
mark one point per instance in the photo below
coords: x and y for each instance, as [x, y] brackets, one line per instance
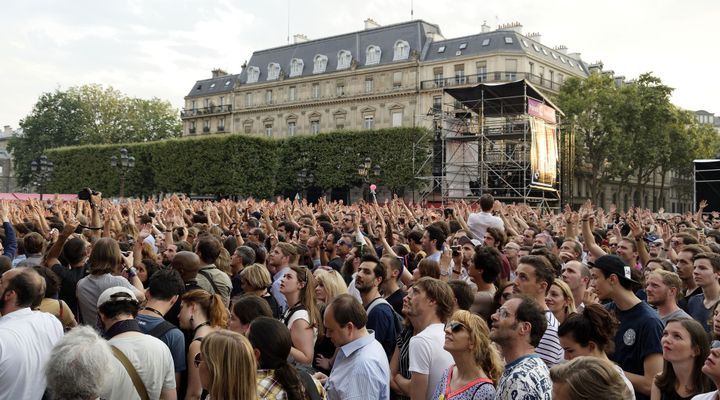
[396, 301]
[336, 263]
[69, 277]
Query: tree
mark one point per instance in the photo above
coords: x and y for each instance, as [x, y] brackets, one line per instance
[590, 106]
[89, 114]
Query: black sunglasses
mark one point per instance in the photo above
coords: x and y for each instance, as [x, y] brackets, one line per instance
[455, 326]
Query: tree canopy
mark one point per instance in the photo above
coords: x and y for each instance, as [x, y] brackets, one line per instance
[89, 114]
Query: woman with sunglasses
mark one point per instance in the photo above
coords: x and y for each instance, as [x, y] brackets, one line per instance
[226, 365]
[302, 316]
[477, 365]
[200, 313]
[685, 349]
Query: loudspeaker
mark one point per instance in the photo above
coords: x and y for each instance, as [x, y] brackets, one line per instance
[707, 183]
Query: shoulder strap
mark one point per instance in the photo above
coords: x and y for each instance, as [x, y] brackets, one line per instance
[209, 278]
[60, 304]
[137, 382]
[375, 302]
[161, 329]
[309, 384]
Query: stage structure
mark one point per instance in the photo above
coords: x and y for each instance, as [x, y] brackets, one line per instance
[501, 139]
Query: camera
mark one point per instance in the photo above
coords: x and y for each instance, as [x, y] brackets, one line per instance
[85, 193]
[455, 250]
[448, 212]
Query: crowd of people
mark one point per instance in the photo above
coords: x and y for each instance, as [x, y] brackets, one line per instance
[258, 299]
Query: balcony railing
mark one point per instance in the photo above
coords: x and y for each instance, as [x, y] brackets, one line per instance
[489, 77]
[211, 110]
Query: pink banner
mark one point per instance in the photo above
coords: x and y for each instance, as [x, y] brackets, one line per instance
[36, 196]
[540, 110]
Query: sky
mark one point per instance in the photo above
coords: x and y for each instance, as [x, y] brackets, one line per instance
[159, 48]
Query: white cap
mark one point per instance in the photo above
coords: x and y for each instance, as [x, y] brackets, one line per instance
[117, 293]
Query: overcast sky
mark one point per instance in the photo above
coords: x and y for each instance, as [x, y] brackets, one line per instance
[159, 48]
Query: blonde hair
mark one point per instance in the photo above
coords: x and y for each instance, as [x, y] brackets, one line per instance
[591, 378]
[567, 294]
[333, 283]
[231, 364]
[222, 262]
[485, 354]
[256, 276]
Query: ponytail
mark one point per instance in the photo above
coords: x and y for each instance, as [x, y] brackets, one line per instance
[217, 312]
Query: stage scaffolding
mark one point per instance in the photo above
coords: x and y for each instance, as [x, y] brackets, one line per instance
[483, 142]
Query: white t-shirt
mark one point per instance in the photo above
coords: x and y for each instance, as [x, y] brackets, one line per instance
[26, 340]
[428, 357]
[152, 361]
[706, 396]
[480, 221]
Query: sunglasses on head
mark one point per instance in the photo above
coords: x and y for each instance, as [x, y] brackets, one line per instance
[455, 326]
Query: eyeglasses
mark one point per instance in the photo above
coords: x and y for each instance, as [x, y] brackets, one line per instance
[455, 326]
[198, 359]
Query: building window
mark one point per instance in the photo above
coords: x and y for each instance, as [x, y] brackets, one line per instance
[397, 79]
[552, 77]
[460, 74]
[319, 64]
[485, 42]
[248, 99]
[268, 129]
[541, 73]
[401, 50]
[368, 121]
[397, 119]
[316, 90]
[268, 96]
[221, 124]
[273, 71]
[510, 69]
[222, 101]
[368, 85]
[247, 126]
[315, 127]
[340, 89]
[508, 40]
[291, 128]
[462, 46]
[532, 68]
[291, 93]
[481, 67]
[437, 103]
[192, 126]
[253, 74]
[193, 106]
[207, 103]
[206, 126]
[441, 49]
[561, 78]
[438, 75]
[372, 55]
[296, 67]
[344, 58]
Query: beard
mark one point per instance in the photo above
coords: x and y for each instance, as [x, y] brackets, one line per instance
[363, 288]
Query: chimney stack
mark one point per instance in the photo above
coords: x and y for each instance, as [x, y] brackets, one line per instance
[217, 72]
[485, 28]
[575, 56]
[596, 67]
[512, 26]
[535, 36]
[562, 49]
[371, 24]
[299, 38]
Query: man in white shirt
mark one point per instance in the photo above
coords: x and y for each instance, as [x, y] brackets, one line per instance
[430, 303]
[480, 221]
[26, 337]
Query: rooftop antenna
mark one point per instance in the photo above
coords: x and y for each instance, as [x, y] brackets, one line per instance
[288, 22]
[411, 9]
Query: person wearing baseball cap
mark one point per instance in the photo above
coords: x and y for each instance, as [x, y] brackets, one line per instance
[637, 343]
[137, 355]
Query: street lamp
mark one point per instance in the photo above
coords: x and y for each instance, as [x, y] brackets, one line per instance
[365, 169]
[41, 169]
[123, 164]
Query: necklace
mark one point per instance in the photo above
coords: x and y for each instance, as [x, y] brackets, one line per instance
[200, 326]
[154, 311]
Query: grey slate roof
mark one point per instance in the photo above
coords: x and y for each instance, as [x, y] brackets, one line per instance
[497, 44]
[212, 86]
[414, 32]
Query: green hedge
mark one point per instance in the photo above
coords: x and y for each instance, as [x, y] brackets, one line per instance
[234, 164]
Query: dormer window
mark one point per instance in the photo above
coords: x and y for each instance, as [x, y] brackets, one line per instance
[344, 59]
[296, 67]
[402, 50]
[462, 46]
[372, 55]
[253, 74]
[319, 64]
[273, 71]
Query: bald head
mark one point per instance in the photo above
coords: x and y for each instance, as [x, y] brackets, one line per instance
[187, 264]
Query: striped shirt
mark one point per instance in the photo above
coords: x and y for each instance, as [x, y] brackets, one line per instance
[549, 348]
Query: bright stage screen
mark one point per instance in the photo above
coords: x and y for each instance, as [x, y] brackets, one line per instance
[544, 153]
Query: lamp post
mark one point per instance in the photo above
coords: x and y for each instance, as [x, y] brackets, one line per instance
[124, 163]
[365, 169]
[41, 169]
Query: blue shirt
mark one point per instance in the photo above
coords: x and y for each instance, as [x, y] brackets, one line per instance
[174, 339]
[381, 320]
[361, 371]
[696, 309]
[275, 289]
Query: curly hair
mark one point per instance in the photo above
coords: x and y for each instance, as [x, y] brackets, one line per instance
[485, 354]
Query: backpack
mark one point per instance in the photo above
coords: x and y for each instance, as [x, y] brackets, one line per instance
[398, 318]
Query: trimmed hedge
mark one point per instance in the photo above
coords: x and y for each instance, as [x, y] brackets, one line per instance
[234, 164]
